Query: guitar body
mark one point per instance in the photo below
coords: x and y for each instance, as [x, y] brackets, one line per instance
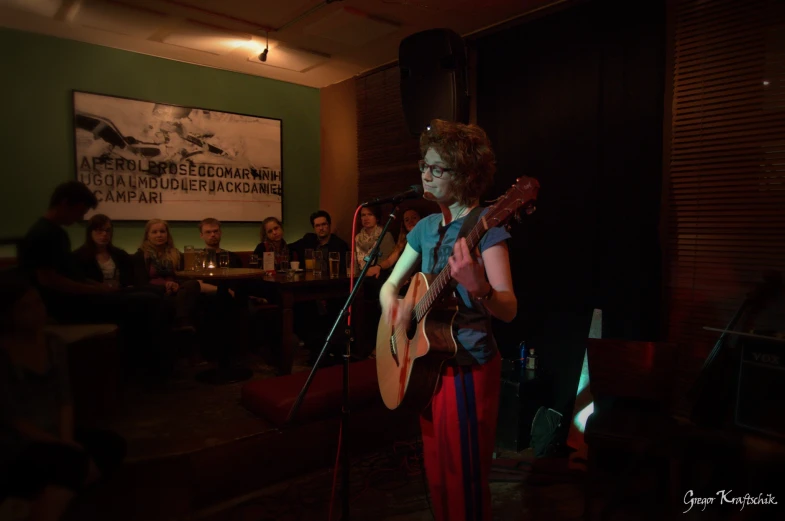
[409, 363]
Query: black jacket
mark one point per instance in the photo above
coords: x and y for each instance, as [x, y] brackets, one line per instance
[88, 265]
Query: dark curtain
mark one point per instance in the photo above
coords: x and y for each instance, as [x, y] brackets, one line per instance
[576, 100]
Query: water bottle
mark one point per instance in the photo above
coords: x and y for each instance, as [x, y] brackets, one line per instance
[522, 359]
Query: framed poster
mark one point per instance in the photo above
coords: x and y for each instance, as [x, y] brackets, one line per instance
[146, 160]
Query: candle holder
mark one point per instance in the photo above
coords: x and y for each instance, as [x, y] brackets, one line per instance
[210, 259]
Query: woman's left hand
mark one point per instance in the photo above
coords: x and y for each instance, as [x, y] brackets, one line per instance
[467, 269]
[374, 271]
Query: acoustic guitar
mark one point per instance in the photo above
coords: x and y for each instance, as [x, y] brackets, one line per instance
[409, 357]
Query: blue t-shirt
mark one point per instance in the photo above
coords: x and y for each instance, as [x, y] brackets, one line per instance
[472, 325]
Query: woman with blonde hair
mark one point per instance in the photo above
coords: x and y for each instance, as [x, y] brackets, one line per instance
[155, 263]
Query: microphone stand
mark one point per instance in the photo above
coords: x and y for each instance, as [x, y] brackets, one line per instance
[345, 412]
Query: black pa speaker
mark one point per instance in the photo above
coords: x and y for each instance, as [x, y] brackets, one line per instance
[434, 78]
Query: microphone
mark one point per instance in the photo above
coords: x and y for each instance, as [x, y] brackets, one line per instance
[413, 192]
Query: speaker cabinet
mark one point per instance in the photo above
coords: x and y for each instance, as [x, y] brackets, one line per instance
[434, 78]
[522, 393]
[760, 399]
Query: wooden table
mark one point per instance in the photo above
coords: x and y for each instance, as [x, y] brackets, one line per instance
[302, 287]
[221, 274]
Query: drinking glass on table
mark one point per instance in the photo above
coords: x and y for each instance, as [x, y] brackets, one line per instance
[189, 258]
[286, 269]
[198, 260]
[253, 261]
[335, 264]
[308, 259]
[223, 261]
[317, 263]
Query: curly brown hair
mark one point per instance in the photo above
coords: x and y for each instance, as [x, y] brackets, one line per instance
[467, 150]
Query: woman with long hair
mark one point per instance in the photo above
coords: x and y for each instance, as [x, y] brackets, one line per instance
[364, 241]
[101, 261]
[410, 218]
[155, 263]
[271, 240]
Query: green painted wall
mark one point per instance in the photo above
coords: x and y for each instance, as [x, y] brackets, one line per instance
[38, 76]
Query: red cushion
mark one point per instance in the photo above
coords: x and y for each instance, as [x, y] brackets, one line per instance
[273, 398]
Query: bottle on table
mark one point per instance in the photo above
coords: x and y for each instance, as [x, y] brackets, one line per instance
[531, 360]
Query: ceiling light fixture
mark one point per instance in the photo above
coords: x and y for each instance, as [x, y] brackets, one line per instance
[263, 56]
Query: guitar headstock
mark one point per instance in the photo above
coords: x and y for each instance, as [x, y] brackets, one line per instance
[522, 196]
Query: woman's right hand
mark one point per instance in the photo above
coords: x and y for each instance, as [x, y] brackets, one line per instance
[390, 303]
[394, 311]
[171, 287]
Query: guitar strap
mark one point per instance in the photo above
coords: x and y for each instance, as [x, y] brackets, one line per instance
[471, 219]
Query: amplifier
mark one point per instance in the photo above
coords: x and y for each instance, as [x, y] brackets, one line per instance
[760, 398]
[522, 393]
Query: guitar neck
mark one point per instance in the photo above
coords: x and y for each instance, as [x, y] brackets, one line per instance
[442, 281]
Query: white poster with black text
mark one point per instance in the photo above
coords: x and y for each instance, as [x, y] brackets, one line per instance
[147, 160]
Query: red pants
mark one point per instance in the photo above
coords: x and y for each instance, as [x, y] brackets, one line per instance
[458, 436]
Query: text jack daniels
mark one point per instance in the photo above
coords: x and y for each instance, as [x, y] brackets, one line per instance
[142, 187]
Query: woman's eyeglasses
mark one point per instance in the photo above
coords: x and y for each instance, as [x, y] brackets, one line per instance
[436, 170]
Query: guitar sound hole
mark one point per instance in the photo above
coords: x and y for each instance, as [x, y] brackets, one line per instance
[412, 329]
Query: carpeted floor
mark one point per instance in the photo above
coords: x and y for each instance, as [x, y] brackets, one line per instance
[389, 486]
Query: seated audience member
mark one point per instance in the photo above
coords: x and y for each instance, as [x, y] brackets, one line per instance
[43, 457]
[322, 239]
[155, 263]
[271, 237]
[410, 218]
[366, 239]
[45, 256]
[314, 319]
[45, 252]
[211, 234]
[389, 256]
[223, 301]
[99, 260]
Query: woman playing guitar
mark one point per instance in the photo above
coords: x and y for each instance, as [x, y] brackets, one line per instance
[459, 425]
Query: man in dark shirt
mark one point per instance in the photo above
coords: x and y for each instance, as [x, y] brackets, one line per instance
[322, 239]
[225, 303]
[210, 232]
[45, 252]
[313, 320]
[45, 256]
